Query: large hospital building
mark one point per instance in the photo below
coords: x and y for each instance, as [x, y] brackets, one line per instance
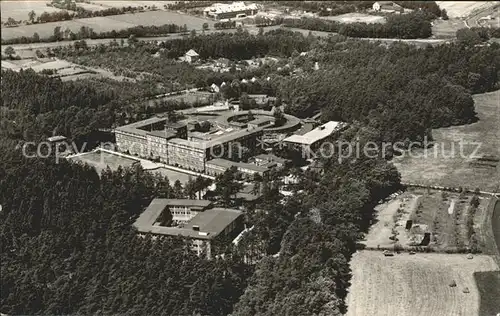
[157, 138]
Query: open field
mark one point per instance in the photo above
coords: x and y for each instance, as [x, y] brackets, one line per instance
[131, 3]
[446, 28]
[442, 215]
[453, 160]
[109, 23]
[417, 285]
[18, 10]
[355, 17]
[100, 160]
[463, 8]
[173, 175]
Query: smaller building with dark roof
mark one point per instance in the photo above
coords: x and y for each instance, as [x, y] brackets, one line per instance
[195, 220]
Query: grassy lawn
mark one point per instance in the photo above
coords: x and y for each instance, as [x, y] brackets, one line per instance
[173, 175]
[101, 160]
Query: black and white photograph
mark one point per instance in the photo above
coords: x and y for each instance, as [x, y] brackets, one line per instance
[250, 158]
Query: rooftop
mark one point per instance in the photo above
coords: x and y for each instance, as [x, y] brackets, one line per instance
[57, 138]
[210, 223]
[157, 206]
[192, 53]
[228, 164]
[270, 157]
[163, 134]
[135, 128]
[316, 134]
[235, 6]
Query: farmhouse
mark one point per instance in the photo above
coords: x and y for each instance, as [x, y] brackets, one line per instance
[191, 56]
[199, 223]
[220, 11]
[387, 6]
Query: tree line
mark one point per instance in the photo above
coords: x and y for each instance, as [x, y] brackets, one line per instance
[406, 26]
[401, 91]
[87, 32]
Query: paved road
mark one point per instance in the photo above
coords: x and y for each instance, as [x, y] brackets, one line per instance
[474, 19]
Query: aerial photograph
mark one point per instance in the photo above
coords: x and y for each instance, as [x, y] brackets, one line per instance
[250, 158]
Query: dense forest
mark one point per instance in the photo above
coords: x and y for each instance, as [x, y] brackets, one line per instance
[401, 91]
[35, 106]
[68, 247]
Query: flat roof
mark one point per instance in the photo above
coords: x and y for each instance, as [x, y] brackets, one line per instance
[157, 206]
[188, 143]
[163, 134]
[152, 212]
[271, 157]
[211, 223]
[135, 128]
[228, 164]
[216, 139]
[56, 138]
[316, 134]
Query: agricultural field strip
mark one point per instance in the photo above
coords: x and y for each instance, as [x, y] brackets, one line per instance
[109, 23]
[416, 285]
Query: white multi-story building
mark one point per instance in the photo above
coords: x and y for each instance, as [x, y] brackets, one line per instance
[221, 11]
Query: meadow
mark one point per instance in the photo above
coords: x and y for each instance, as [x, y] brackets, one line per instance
[415, 285]
[460, 153]
[101, 160]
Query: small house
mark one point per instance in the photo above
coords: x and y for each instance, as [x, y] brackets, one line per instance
[191, 56]
[214, 88]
